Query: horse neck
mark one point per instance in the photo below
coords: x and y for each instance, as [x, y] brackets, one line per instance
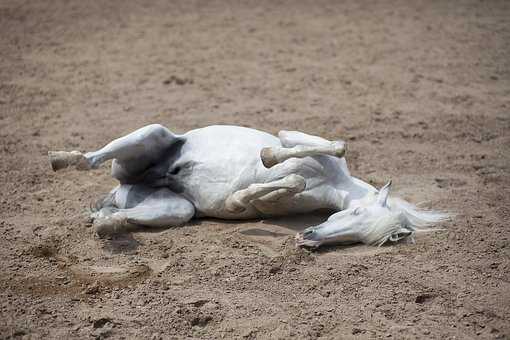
[356, 192]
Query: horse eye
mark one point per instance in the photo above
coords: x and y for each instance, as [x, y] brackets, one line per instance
[175, 170]
[356, 211]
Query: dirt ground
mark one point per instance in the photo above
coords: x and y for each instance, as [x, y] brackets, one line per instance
[420, 90]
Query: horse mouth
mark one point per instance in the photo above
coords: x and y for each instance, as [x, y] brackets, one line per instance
[303, 241]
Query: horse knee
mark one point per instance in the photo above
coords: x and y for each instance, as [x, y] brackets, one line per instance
[155, 131]
[172, 211]
[293, 138]
[183, 212]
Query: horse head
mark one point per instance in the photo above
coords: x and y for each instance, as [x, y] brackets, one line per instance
[376, 220]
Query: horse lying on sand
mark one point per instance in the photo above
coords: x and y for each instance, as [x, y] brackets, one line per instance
[232, 172]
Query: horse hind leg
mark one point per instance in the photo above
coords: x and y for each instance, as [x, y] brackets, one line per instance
[137, 205]
[133, 152]
[299, 145]
[265, 192]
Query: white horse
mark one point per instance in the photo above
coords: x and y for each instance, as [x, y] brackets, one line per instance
[233, 172]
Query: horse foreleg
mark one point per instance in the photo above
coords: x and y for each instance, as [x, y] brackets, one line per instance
[135, 151]
[271, 191]
[299, 145]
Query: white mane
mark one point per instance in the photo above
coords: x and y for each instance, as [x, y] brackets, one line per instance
[404, 221]
[416, 218]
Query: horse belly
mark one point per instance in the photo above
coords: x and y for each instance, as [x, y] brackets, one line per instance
[226, 159]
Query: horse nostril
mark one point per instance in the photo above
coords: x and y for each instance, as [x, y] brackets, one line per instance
[175, 170]
[308, 232]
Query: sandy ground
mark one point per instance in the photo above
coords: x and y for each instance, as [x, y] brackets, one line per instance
[420, 90]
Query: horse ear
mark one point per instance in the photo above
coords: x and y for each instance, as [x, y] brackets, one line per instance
[382, 197]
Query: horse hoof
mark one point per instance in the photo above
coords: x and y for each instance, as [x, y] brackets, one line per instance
[104, 230]
[340, 148]
[268, 158]
[108, 226]
[62, 159]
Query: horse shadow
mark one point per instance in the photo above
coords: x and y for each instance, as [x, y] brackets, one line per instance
[284, 225]
[273, 227]
[122, 243]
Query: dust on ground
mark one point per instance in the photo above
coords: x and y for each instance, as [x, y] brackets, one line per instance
[420, 90]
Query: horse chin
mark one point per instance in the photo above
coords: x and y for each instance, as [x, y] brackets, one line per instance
[302, 241]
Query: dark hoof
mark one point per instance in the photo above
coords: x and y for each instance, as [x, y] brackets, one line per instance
[268, 158]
